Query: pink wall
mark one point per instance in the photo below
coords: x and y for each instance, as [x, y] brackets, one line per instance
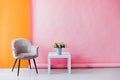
[91, 29]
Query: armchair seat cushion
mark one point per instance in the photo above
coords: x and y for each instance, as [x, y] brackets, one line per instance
[26, 55]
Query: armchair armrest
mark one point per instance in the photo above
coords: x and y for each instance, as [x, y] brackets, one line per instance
[14, 52]
[34, 49]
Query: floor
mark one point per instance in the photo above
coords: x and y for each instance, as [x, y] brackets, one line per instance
[61, 74]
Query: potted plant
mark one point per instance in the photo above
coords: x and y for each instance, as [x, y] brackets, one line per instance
[59, 47]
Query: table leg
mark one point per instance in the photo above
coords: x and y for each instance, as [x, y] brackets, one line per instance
[49, 65]
[69, 65]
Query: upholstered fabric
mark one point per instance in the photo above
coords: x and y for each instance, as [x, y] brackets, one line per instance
[23, 49]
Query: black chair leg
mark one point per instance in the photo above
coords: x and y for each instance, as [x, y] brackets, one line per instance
[14, 64]
[18, 67]
[35, 65]
[29, 63]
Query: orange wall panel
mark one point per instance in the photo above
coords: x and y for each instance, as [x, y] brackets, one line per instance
[14, 23]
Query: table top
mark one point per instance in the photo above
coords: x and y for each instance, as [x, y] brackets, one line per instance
[55, 55]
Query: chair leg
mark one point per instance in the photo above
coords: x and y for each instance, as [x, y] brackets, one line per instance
[29, 63]
[14, 64]
[18, 67]
[35, 65]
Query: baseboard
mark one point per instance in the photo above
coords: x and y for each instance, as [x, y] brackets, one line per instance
[80, 65]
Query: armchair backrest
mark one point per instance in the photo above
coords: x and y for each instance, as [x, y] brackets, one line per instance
[21, 45]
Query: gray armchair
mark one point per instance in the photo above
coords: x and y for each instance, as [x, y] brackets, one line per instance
[22, 49]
